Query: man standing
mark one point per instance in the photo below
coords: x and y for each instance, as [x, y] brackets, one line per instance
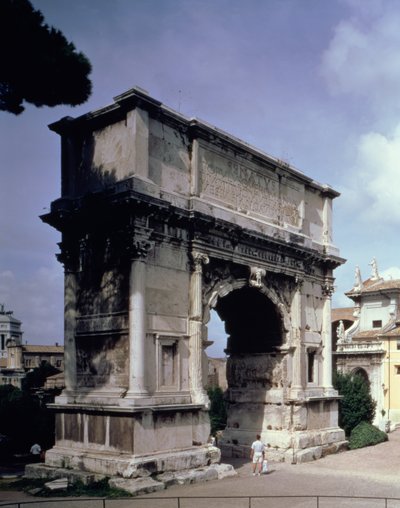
[257, 454]
[35, 452]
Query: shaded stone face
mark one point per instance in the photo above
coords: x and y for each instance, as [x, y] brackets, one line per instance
[121, 433]
[102, 361]
[164, 219]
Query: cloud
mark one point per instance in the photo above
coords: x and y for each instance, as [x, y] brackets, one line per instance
[363, 56]
[372, 188]
[392, 272]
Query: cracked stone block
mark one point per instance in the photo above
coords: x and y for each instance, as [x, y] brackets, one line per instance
[137, 486]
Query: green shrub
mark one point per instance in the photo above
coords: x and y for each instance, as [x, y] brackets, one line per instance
[366, 434]
[357, 405]
[36, 378]
[25, 420]
[217, 409]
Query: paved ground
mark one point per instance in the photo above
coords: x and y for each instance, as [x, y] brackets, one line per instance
[373, 471]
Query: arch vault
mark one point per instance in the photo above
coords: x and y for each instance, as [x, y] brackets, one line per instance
[164, 218]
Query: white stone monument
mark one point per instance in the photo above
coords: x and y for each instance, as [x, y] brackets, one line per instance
[164, 218]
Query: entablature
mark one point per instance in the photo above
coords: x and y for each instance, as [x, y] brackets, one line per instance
[125, 213]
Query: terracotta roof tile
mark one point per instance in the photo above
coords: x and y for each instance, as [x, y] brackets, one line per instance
[343, 313]
[367, 335]
[32, 348]
[392, 333]
[370, 286]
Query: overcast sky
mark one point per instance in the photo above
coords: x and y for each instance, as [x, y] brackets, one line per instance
[313, 82]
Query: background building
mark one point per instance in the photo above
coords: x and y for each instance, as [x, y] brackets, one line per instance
[217, 373]
[16, 358]
[10, 329]
[369, 342]
[23, 358]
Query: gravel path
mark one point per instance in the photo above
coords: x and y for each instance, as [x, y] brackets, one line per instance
[372, 471]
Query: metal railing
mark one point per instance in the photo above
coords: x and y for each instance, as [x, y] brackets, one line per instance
[290, 501]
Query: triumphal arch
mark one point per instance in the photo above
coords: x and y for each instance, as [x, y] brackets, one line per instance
[164, 218]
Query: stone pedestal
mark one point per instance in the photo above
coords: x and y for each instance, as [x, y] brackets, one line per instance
[130, 442]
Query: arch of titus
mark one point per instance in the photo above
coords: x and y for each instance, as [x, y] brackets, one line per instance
[164, 218]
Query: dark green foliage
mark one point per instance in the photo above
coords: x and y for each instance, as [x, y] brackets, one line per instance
[24, 418]
[357, 405]
[23, 484]
[17, 412]
[217, 409]
[37, 63]
[95, 489]
[366, 434]
[36, 378]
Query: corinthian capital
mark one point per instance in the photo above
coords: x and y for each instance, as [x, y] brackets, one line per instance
[139, 248]
[328, 289]
[135, 242]
[199, 259]
[69, 256]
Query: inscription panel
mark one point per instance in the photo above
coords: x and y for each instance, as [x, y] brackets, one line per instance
[247, 189]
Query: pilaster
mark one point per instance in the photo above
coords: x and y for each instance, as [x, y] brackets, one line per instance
[138, 250]
[327, 220]
[198, 393]
[69, 257]
[326, 333]
[195, 169]
[297, 387]
[138, 122]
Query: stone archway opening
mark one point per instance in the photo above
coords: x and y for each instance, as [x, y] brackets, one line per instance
[359, 371]
[255, 367]
[251, 321]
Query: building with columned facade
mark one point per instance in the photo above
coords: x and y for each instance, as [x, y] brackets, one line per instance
[368, 342]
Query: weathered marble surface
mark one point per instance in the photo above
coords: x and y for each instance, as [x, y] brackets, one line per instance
[163, 219]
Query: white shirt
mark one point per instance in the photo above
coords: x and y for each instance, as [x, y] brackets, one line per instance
[257, 446]
[35, 450]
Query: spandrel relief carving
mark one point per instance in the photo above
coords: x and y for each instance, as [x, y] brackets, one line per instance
[220, 280]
